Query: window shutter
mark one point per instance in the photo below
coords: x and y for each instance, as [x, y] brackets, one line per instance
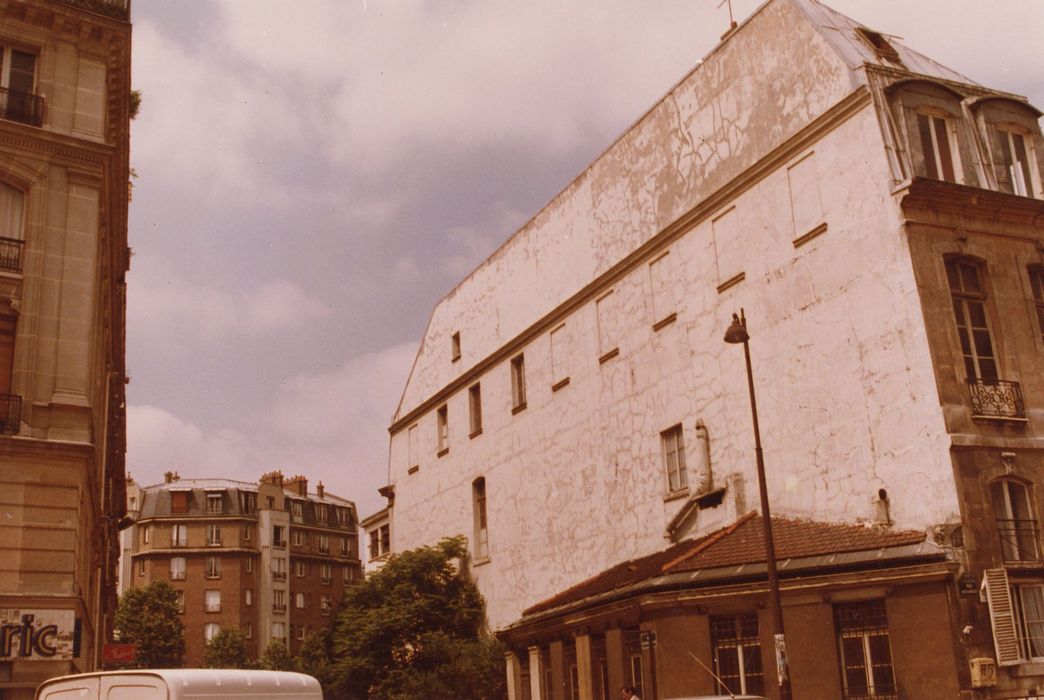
[1002, 616]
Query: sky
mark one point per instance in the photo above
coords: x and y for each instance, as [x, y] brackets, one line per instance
[312, 176]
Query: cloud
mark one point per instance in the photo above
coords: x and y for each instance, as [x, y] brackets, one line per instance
[164, 303]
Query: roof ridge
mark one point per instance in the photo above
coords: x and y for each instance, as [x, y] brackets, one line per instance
[704, 544]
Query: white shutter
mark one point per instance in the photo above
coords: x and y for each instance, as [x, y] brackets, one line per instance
[1002, 616]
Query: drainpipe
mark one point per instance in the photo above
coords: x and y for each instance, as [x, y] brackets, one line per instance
[706, 479]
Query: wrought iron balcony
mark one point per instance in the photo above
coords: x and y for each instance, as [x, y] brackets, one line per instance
[10, 413]
[120, 9]
[21, 107]
[996, 399]
[11, 254]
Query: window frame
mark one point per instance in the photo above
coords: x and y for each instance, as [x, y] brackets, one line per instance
[745, 646]
[212, 567]
[212, 600]
[1019, 536]
[213, 535]
[1036, 280]
[866, 609]
[1030, 175]
[969, 332]
[481, 519]
[518, 382]
[672, 442]
[931, 152]
[475, 409]
[442, 429]
[175, 570]
[178, 536]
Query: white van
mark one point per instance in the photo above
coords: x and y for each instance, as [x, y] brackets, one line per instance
[182, 684]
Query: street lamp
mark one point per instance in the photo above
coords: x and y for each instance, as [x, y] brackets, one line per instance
[737, 333]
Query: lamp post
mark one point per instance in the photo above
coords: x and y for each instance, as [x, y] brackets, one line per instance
[737, 333]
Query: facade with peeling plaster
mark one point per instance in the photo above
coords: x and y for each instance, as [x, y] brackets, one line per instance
[573, 406]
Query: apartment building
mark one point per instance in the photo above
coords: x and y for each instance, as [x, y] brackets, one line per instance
[574, 411]
[65, 103]
[269, 558]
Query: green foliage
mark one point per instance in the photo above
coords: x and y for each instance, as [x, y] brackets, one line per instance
[227, 649]
[313, 657]
[135, 103]
[276, 657]
[416, 629]
[148, 617]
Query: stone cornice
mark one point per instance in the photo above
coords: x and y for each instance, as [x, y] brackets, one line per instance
[935, 202]
[51, 143]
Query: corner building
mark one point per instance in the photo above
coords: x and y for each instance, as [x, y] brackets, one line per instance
[64, 145]
[574, 411]
[268, 558]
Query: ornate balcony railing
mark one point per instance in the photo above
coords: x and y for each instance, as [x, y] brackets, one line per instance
[10, 413]
[996, 399]
[120, 9]
[21, 107]
[11, 254]
[1019, 540]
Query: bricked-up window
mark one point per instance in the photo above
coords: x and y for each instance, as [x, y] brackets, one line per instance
[248, 597]
[1016, 524]
[968, 294]
[213, 567]
[737, 653]
[478, 494]
[210, 630]
[214, 505]
[674, 458]
[213, 535]
[1036, 276]
[475, 408]
[212, 601]
[178, 535]
[518, 382]
[442, 427]
[179, 501]
[938, 146]
[865, 651]
[1017, 159]
[177, 568]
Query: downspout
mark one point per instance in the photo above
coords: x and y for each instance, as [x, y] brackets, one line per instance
[706, 477]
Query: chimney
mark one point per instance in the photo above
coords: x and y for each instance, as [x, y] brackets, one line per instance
[320, 489]
[298, 484]
[275, 478]
[168, 477]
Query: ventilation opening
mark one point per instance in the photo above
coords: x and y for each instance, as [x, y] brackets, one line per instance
[879, 44]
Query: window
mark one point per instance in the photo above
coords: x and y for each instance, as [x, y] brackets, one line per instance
[324, 544]
[213, 535]
[8, 324]
[343, 550]
[278, 568]
[249, 502]
[1015, 522]
[442, 423]
[249, 565]
[18, 79]
[179, 501]
[865, 652]
[455, 346]
[210, 630]
[296, 509]
[1036, 275]
[178, 535]
[300, 632]
[248, 597]
[1016, 159]
[248, 630]
[385, 539]
[212, 601]
[213, 567]
[299, 601]
[141, 567]
[322, 512]
[674, 459]
[326, 573]
[298, 537]
[12, 229]
[179, 600]
[279, 630]
[278, 599]
[177, 568]
[299, 569]
[146, 534]
[344, 517]
[348, 575]
[475, 408]
[325, 605]
[214, 506]
[737, 653]
[938, 146]
[478, 493]
[278, 536]
[518, 383]
[248, 533]
[375, 544]
[969, 306]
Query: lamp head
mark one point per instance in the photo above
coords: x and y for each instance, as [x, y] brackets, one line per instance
[737, 332]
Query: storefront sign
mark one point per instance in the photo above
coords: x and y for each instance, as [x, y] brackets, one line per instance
[36, 634]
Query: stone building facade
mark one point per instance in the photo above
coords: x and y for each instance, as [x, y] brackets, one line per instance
[64, 145]
[573, 407]
[269, 558]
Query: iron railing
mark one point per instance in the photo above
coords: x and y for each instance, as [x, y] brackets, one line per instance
[11, 254]
[996, 399]
[10, 413]
[120, 9]
[1018, 538]
[21, 107]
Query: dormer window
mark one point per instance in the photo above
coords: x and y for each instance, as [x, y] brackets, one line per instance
[938, 146]
[1016, 159]
[879, 44]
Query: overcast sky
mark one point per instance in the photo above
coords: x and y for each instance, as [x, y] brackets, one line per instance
[314, 175]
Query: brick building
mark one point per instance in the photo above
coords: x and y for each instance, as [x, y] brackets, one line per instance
[65, 104]
[269, 558]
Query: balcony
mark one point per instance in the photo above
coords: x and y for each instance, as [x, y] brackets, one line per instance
[11, 254]
[119, 9]
[278, 575]
[10, 413]
[21, 107]
[996, 399]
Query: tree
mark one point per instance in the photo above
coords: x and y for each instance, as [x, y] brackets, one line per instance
[148, 617]
[227, 649]
[313, 657]
[416, 629]
[276, 657]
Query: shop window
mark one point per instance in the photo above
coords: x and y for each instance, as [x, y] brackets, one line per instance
[737, 653]
[1016, 525]
[865, 651]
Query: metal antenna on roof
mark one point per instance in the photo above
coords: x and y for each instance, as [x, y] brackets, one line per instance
[732, 22]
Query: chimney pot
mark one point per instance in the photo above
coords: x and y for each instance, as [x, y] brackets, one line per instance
[319, 489]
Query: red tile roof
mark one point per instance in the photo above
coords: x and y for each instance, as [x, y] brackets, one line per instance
[739, 543]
